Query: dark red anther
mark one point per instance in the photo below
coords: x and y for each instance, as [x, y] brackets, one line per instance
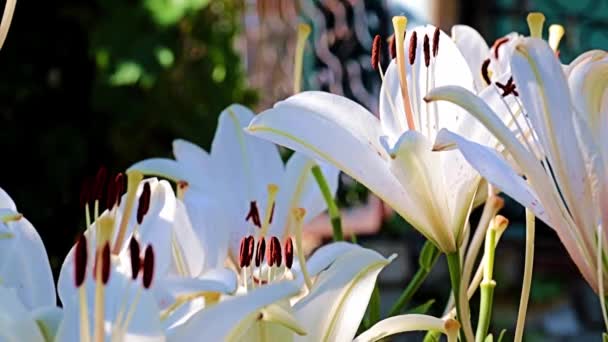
[144, 203]
[275, 257]
[148, 270]
[392, 47]
[436, 35]
[288, 252]
[508, 89]
[412, 48]
[134, 252]
[376, 52]
[260, 252]
[85, 192]
[111, 195]
[80, 260]
[271, 213]
[100, 180]
[250, 250]
[243, 252]
[254, 214]
[426, 46]
[105, 263]
[497, 44]
[119, 186]
[484, 71]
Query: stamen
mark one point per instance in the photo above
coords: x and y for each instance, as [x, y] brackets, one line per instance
[134, 252]
[85, 192]
[275, 251]
[250, 250]
[392, 47]
[536, 20]
[100, 180]
[260, 252]
[303, 32]
[144, 203]
[80, 266]
[399, 24]
[243, 252]
[119, 186]
[105, 263]
[498, 43]
[436, 35]
[413, 46]
[298, 217]
[426, 49]
[288, 252]
[556, 33]
[148, 269]
[485, 73]
[273, 189]
[508, 89]
[376, 52]
[254, 214]
[182, 186]
[272, 212]
[80, 261]
[133, 179]
[98, 329]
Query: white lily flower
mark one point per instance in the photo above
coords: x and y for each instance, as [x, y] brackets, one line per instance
[392, 156]
[159, 220]
[344, 277]
[411, 322]
[566, 185]
[24, 264]
[240, 175]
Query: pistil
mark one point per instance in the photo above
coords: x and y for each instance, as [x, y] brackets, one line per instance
[273, 189]
[399, 24]
[536, 20]
[298, 218]
[556, 33]
[133, 180]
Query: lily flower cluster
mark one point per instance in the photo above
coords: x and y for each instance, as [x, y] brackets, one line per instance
[209, 245]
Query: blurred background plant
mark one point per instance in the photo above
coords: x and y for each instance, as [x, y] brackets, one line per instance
[109, 82]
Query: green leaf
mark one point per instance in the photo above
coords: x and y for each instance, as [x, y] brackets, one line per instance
[489, 338]
[502, 334]
[422, 308]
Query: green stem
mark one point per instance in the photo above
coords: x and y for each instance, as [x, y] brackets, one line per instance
[428, 258]
[487, 286]
[453, 260]
[527, 279]
[332, 208]
[485, 309]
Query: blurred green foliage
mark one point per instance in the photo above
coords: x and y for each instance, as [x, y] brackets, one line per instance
[109, 82]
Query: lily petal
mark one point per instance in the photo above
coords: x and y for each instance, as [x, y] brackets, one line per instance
[224, 320]
[544, 92]
[495, 169]
[16, 322]
[337, 302]
[419, 172]
[400, 324]
[162, 167]
[474, 49]
[6, 201]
